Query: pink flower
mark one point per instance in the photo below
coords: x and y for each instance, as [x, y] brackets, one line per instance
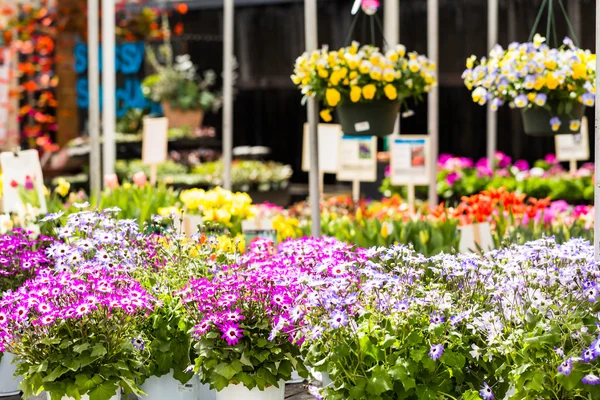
[522, 165]
[111, 181]
[139, 179]
[452, 178]
[551, 159]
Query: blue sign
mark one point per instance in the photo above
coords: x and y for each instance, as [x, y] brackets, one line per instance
[129, 62]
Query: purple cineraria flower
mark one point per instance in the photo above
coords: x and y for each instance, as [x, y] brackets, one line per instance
[566, 367]
[559, 351]
[436, 351]
[591, 379]
[437, 318]
[591, 293]
[486, 392]
[338, 319]
[233, 316]
[315, 392]
[231, 333]
[588, 355]
[138, 343]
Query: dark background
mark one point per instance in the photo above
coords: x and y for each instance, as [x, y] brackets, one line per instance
[269, 35]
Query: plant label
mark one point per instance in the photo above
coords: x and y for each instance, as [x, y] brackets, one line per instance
[362, 126]
[410, 162]
[329, 136]
[475, 238]
[357, 159]
[258, 229]
[155, 141]
[190, 224]
[22, 181]
[574, 147]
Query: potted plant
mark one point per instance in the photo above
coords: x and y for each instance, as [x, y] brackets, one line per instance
[75, 333]
[167, 327]
[20, 257]
[366, 86]
[551, 86]
[243, 333]
[177, 88]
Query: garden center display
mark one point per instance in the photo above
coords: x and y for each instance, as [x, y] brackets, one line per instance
[551, 86]
[367, 86]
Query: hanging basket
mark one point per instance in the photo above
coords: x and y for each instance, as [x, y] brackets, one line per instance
[536, 120]
[376, 118]
[180, 119]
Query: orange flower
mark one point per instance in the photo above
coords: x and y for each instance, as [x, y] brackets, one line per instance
[181, 8]
[6, 11]
[26, 68]
[178, 29]
[30, 86]
[25, 109]
[44, 45]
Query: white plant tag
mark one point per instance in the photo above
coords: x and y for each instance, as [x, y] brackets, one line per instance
[362, 126]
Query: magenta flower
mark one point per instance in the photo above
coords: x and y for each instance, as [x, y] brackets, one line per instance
[231, 333]
[452, 178]
[551, 159]
[522, 165]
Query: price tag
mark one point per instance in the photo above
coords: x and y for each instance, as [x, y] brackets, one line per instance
[22, 177]
[409, 163]
[155, 142]
[574, 147]
[362, 126]
[475, 237]
[329, 136]
[357, 159]
[185, 388]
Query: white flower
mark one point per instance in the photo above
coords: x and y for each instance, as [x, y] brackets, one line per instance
[475, 353]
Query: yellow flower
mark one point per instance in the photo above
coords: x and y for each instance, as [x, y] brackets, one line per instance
[531, 96]
[368, 91]
[538, 40]
[355, 93]
[365, 67]
[376, 74]
[296, 79]
[166, 211]
[63, 187]
[392, 56]
[323, 73]
[579, 71]
[551, 81]
[540, 81]
[575, 125]
[326, 115]
[390, 91]
[335, 78]
[389, 75]
[353, 75]
[413, 66]
[401, 50]
[471, 61]
[384, 230]
[374, 59]
[333, 97]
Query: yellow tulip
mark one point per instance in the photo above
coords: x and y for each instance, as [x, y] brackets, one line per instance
[355, 93]
[333, 97]
[390, 91]
[326, 115]
[368, 91]
[384, 231]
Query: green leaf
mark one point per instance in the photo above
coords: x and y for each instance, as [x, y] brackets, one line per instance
[285, 368]
[399, 372]
[56, 373]
[379, 382]
[247, 380]
[103, 392]
[81, 347]
[228, 370]
[98, 350]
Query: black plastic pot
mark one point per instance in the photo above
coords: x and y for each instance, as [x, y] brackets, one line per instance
[536, 120]
[376, 118]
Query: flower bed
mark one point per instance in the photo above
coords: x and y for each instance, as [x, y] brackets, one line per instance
[461, 176]
[117, 306]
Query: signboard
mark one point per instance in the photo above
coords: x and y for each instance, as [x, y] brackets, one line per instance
[409, 163]
[475, 237]
[574, 147]
[22, 172]
[357, 159]
[329, 136]
[155, 141]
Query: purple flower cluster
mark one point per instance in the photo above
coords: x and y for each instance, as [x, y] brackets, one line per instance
[92, 240]
[89, 296]
[264, 287]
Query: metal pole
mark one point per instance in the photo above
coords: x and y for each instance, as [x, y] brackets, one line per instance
[109, 117]
[492, 117]
[597, 140]
[228, 50]
[311, 41]
[94, 104]
[433, 98]
[391, 27]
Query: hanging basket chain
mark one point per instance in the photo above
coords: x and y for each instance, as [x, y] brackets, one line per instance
[373, 22]
[551, 22]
